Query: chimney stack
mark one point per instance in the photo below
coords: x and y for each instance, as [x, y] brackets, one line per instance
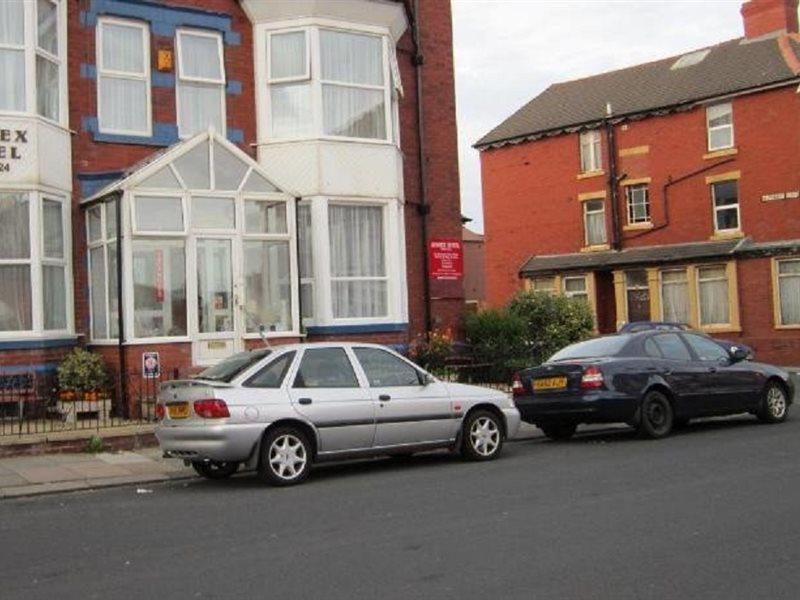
[762, 17]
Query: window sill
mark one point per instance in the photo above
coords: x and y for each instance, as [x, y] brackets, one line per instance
[637, 226]
[322, 138]
[727, 235]
[719, 153]
[275, 335]
[788, 327]
[596, 248]
[720, 329]
[590, 174]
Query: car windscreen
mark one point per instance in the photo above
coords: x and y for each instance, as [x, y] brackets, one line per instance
[229, 368]
[596, 348]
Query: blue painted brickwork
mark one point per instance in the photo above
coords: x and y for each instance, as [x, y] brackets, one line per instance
[91, 183]
[164, 134]
[164, 20]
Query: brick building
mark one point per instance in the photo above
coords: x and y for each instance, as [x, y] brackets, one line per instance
[239, 164]
[664, 191]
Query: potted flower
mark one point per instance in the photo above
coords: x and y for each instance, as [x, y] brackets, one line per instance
[82, 376]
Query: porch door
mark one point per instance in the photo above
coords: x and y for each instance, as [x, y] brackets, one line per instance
[218, 324]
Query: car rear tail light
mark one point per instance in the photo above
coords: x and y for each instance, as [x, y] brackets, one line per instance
[592, 378]
[517, 389]
[211, 409]
[160, 411]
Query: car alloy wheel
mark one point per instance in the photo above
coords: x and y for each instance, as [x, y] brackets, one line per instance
[482, 436]
[656, 415]
[774, 407]
[285, 457]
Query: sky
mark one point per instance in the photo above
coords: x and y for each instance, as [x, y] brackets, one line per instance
[509, 51]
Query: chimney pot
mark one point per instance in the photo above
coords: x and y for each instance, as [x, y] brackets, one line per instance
[763, 17]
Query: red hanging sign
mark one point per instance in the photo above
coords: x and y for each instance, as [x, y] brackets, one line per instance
[159, 287]
[445, 259]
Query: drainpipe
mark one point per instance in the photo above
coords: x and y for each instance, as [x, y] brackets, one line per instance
[297, 251]
[123, 366]
[423, 208]
[613, 183]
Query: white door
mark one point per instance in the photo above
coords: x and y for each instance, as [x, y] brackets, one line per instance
[218, 332]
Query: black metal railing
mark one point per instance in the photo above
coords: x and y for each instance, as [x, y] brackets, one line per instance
[31, 403]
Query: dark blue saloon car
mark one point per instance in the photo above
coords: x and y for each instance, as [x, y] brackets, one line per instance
[653, 380]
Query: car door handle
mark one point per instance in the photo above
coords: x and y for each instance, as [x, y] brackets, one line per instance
[712, 369]
[305, 401]
[384, 397]
[668, 372]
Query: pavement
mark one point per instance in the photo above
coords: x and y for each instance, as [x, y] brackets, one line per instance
[54, 473]
[709, 512]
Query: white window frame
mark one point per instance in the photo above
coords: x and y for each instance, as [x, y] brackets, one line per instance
[314, 78]
[631, 201]
[55, 59]
[386, 263]
[175, 194]
[710, 129]
[308, 280]
[591, 151]
[586, 213]
[718, 209]
[572, 294]
[180, 77]
[36, 261]
[102, 242]
[145, 76]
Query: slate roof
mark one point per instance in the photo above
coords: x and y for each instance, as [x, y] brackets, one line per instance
[642, 255]
[730, 67]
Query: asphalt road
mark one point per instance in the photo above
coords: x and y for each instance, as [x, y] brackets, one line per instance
[712, 512]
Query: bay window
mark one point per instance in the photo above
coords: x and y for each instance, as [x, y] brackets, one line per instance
[35, 293]
[159, 288]
[545, 285]
[123, 77]
[358, 261]
[16, 312]
[637, 295]
[200, 86]
[328, 83]
[47, 60]
[575, 287]
[12, 56]
[305, 260]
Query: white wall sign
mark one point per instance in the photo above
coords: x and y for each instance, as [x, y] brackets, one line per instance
[781, 196]
[13, 148]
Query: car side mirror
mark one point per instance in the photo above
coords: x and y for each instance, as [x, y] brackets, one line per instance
[426, 379]
[737, 354]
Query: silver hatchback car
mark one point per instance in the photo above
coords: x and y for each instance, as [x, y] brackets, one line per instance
[279, 410]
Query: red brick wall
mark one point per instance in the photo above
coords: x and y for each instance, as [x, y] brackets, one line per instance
[89, 156]
[530, 190]
[441, 160]
[530, 195]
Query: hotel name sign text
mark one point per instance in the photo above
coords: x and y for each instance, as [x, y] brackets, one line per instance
[12, 145]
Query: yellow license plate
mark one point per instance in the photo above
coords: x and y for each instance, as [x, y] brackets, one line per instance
[179, 410]
[550, 383]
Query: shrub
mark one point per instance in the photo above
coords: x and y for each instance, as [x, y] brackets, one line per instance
[82, 371]
[496, 340]
[431, 351]
[551, 322]
[95, 444]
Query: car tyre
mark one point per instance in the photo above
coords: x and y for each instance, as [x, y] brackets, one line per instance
[774, 405]
[211, 469]
[657, 417]
[559, 432]
[286, 457]
[481, 436]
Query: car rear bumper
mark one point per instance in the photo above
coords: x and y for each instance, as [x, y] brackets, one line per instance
[592, 407]
[228, 442]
